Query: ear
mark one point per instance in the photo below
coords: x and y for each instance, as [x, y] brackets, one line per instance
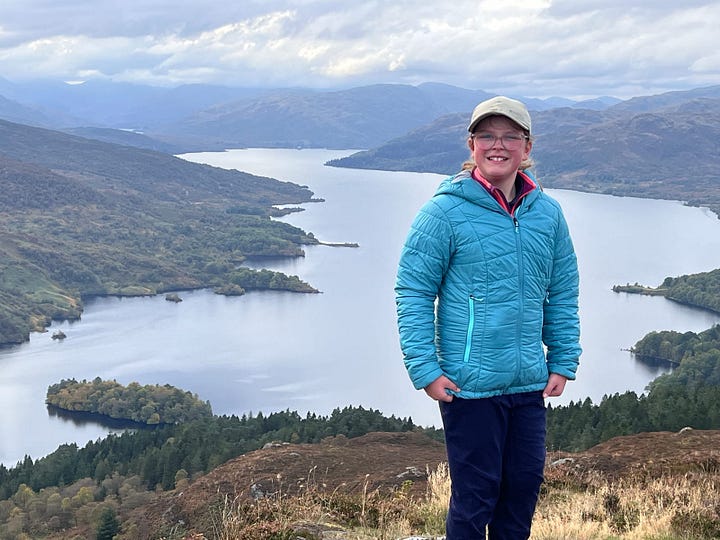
[528, 148]
[471, 143]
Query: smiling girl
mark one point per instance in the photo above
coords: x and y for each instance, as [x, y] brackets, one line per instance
[487, 302]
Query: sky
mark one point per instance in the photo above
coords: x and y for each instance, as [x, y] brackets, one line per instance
[576, 49]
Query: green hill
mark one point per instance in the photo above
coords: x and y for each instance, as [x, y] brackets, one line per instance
[80, 217]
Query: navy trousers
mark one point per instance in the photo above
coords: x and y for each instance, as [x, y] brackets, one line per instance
[496, 457]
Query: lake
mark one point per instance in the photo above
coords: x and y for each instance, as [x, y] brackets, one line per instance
[270, 351]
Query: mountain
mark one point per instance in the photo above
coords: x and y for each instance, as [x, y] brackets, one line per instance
[100, 103]
[668, 99]
[441, 146]
[359, 117]
[659, 147]
[16, 112]
[211, 117]
[354, 118]
[597, 104]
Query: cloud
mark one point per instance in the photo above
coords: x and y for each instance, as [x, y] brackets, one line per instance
[575, 48]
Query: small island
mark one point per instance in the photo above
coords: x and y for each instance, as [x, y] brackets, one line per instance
[339, 244]
[639, 289]
[149, 404]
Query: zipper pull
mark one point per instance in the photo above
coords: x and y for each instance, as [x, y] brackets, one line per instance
[517, 224]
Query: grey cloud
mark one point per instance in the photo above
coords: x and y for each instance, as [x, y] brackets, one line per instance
[31, 19]
[570, 47]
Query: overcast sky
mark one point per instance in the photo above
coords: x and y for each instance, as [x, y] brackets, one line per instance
[539, 48]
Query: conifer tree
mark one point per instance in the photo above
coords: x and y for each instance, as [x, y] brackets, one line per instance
[108, 526]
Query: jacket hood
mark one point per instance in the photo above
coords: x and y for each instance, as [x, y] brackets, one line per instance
[464, 185]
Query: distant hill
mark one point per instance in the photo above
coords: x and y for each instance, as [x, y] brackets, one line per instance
[359, 117]
[211, 117]
[17, 112]
[110, 104]
[441, 146]
[668, 150]
[667, 99]
[129, 138]
[354, 118]
[82, 217]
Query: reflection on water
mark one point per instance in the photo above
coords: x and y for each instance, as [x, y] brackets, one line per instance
[83, 418]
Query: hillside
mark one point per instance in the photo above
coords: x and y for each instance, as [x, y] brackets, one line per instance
[661, 147]
[82, 217]
[354, 118]
[657, 146]
[356, 479]
[129, 138]
[209, 117]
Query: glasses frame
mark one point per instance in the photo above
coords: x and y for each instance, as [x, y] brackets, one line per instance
[502, 138]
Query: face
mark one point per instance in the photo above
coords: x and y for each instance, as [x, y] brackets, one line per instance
[498, 165]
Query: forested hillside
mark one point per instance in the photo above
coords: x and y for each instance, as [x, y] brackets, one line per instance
[700, 290]
[82, 217]
[688, 396]
[43, 497]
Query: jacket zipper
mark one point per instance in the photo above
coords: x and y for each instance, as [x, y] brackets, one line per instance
[521, 292]
[470, 328]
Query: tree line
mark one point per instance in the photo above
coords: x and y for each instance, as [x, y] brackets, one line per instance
[156, 455]
[701, 290]
[688, 396]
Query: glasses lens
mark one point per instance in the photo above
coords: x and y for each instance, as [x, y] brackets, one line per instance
[509, 141]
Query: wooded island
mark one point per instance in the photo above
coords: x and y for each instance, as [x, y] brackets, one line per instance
[148, 404]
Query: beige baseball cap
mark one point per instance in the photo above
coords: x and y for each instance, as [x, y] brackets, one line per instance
[502, 106]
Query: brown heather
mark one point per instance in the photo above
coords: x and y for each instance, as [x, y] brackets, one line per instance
[390, 486]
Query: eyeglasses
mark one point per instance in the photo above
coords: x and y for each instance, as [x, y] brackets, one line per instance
[510, 141]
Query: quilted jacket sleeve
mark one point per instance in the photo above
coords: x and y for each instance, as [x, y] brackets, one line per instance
[423, 262]
[561, 326]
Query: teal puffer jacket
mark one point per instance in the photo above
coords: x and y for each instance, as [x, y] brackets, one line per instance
[505, 286]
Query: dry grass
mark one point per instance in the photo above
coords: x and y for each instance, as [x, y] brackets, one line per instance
[668, 508]
[683, 507]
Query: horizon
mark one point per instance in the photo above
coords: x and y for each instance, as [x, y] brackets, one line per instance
[79, 83]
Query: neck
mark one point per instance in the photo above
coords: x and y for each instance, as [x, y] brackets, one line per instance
[509, 191]
[507, 185]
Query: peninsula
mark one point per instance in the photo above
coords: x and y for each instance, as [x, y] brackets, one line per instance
[85, 218]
